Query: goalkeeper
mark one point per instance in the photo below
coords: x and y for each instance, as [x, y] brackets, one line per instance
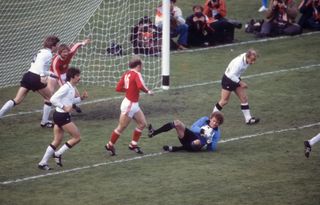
[204, 134]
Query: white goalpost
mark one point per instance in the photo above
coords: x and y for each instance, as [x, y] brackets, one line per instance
[109, 24]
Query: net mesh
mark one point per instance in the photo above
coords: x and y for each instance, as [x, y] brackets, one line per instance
[109, 24]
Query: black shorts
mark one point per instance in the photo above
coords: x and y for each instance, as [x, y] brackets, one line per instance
[61, 118]
[32, 81]
[187, 140]
[228, 84]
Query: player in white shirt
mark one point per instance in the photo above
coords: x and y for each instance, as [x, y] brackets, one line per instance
[36, 79]
[231, 81]
[63, 100]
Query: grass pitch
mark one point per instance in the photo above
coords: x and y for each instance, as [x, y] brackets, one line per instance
[261, 164]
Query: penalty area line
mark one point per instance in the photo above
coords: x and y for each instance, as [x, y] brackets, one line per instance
[151, 155]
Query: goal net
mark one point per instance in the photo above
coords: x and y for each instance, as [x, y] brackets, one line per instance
[109, 25]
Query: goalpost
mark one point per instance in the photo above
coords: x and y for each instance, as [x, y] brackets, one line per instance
[107, 23]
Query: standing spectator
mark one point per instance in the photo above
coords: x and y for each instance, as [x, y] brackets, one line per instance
[63, 100]
[146, 37]
[36, 80]
[280, 20]
[216, 11]
[204, 133]
[309, 143]
[198, 30]
[231, 82]
[59, 66]
[131, 83]
[264, 6]
[178, 26]
[310, 18]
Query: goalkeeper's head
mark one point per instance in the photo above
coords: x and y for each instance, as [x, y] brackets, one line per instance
[216, 119]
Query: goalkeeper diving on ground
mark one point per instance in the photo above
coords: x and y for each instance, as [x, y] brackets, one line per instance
[204, 133]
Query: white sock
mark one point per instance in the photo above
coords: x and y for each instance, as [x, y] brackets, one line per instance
[64, 148]
[46, 113]
[6, 107]
[49, 152]
[314, 140]
[246, 111]
[215, 109]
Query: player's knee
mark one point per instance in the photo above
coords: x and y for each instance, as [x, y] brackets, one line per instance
[141, 125]
[178, 123]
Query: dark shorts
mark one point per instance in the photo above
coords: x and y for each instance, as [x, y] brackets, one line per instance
[61, 118]
[228, 84]
[31, 81]
[187, 140]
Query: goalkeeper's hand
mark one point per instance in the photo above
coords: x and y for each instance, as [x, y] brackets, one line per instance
[202, 132]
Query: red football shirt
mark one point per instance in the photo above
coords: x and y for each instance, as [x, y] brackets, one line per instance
[131, 83]
[59, 65]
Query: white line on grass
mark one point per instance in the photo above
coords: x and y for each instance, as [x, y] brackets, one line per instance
[179, 87]
[248, 42]
[151, 155]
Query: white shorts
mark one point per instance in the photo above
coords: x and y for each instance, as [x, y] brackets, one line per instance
[129, 108]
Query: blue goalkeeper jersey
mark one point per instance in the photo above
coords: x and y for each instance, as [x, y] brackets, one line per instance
[213, 139]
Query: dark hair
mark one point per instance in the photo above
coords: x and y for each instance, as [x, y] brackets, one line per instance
[219, 116]
[173, 1]
[135, 61]
[50, 42]
[71, 72]
[197, 6]
[63, 47]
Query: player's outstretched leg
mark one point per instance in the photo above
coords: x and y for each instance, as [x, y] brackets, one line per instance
[173, 148]
[165, 128]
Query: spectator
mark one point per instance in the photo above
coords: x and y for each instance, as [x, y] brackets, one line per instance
[223, 29]
[178, 26]
[280, 19]
[198, 30]
[146, 37]
[310, 18]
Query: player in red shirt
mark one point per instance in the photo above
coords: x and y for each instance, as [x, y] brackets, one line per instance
[59, 66]
[131, 83]
[60, 63]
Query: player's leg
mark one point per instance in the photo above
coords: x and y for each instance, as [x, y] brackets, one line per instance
[124, 121]
[74, 132]
[164, 128]
[58, 136]
[224, 99]
[242, 95]
[21, 94]
[309, 143]
[141, 122]
[46, 93]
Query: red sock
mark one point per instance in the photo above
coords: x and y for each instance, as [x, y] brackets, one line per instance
[136, 135]
[114, 137]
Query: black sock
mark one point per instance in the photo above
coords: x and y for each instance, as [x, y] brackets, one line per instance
[164, 128]
[176, 148]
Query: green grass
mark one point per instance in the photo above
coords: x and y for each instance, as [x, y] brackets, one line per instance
[267, 169]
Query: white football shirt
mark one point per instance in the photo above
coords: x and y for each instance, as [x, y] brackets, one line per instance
[41, 62]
